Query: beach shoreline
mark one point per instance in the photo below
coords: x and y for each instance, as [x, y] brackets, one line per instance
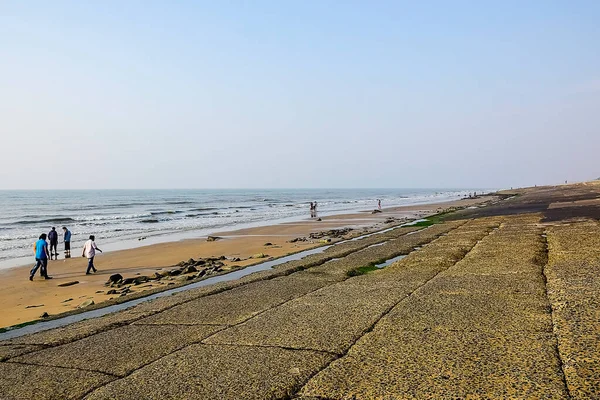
[135, 218]
[25, 301]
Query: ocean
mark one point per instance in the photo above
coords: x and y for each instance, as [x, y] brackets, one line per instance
[119, 218]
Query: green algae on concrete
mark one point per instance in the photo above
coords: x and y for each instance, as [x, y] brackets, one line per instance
[219, 372]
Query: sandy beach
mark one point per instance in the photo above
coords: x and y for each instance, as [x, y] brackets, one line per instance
[25, 301]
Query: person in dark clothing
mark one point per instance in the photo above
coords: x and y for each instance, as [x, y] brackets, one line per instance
[41, 258]
[67, 238]
[53, 238]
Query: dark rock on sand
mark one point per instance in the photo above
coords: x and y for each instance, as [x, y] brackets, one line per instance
[189, 270]
[115, 278]
[268, 244]
[35, 306]
[174, 272]
[375, 211]
[212, 238]
[128, 281]
[111, 291]
[141, 279]
[68, 283]
[44, 315]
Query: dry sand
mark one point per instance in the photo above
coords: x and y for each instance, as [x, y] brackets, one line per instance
[24, 301]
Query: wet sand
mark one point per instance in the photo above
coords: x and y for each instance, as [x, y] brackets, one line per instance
[24, 301]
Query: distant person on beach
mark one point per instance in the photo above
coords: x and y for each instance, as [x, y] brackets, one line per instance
[41, 258]
[53, 238]
[379, 204]
[89, 251]
[67, 238]
[312, 210]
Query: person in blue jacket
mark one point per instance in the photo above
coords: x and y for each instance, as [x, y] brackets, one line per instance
[41, 258]
[67, 237]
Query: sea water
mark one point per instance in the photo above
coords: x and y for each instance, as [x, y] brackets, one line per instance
[120, 218]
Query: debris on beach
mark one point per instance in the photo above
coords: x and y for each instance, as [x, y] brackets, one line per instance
[35, 306]
[184, 271]
[213, 238]
[86, 303]
[260, 255]
[44, 315]
[330, 234]
[65, 284]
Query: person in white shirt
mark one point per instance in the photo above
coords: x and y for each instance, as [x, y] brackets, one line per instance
[89, 251]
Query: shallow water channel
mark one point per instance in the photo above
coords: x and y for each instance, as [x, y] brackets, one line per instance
[231, 276]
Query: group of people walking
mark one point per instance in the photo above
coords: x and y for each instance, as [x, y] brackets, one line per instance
[43, 251]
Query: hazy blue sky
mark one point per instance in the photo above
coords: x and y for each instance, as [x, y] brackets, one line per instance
[162, 94]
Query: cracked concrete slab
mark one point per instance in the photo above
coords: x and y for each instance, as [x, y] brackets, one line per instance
[119, 351]
[219, 372]
[449, 282]
[77, 330]
[25, 382]
[14, 350]
[473, 311]
[390, 364]
[330, 319]
[237, 305]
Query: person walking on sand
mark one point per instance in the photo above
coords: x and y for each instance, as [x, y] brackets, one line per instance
[379, 204]
[89, 251]
[67, 238]
[41, 258]
[312, 209]
[53, 238]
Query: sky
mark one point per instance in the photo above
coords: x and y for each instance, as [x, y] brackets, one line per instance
[298, 94]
